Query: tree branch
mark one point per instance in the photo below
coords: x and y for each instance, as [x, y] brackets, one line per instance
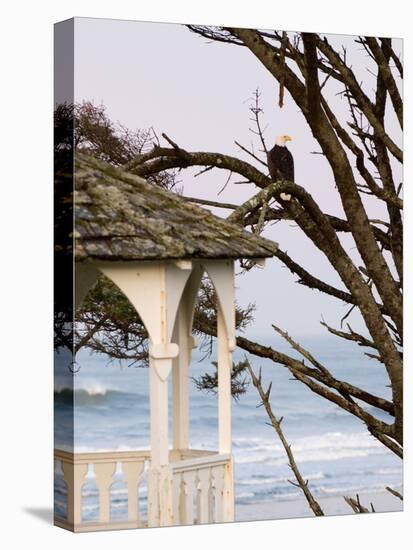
[162, 158]
[361, 98]
[351, 335]
[356, 505]
[206, 202]
[395, 493]
[276, 424]
[386, 75]
[298, 367]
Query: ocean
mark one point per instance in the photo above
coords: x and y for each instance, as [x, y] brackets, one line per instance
[333, 450]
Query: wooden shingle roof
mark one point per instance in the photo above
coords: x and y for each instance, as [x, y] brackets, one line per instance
[119, 216]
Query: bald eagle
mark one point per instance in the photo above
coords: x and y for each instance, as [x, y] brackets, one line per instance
[281, 162]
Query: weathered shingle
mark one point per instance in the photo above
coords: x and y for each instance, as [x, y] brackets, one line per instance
[119, 216]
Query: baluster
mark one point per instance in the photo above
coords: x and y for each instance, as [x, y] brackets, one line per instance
[211, 499]
[60, 491]
[58, 470]
[203, 495]
[218, 483]
[189, 490]
[91, 487]
[177, 498]
[132, 472]
[166, 496]
[228, 502]
[104, 474]
[74, 476]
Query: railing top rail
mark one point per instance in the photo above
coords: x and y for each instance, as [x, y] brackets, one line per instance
[200, 462]
[97, 457]
[128, 456]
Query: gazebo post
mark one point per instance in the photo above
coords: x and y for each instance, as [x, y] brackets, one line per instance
[160, 511]
[224, 414]
[180, 385]
[222, 276]
[224, 386]
[180, 366]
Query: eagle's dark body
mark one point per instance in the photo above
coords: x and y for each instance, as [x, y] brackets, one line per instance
[280, 163]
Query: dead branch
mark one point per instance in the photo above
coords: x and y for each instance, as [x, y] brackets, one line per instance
[340, 225]
[295, 366]
[356, 505]
[302, 351]
[162, 158]
[395, 493]
[250, 153]
[307, 279]
[386, 75]
[350, 335]
[257, 111]
[387, 442]
[388, 50]
[373, 187]
[361, 98]
[206, 202]
[276, 424]
[282, 62]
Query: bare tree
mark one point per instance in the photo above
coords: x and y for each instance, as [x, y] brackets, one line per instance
[360, 153]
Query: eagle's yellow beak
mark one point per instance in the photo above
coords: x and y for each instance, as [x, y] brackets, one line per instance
[288, 138]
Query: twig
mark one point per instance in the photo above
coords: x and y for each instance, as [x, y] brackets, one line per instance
[210, 203]
[356, 505]
[301, 350]
[282, 76]
[207, 169]
[250, 153]
[394, 492]
[256, 111]
[172, 143]
[350, 335]
[225, 184]
[386, 441]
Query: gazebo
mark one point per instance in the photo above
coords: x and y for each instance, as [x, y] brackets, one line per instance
[155, 247]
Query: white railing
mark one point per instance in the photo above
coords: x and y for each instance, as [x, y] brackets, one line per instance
[94, 476]
[202, 490]
[107, 490]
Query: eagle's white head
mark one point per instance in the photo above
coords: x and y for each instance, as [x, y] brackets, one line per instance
[282, 140]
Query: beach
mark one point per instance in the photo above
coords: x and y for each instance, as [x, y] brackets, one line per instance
[331, 506]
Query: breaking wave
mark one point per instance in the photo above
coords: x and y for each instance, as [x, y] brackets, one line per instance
[93, 393]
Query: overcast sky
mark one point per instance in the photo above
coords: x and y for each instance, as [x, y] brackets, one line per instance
[164, 76]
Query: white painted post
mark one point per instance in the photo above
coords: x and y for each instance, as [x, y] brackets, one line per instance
[223, 278]
[224, 386]
[228, 496]
[180, 385]
[180, 369]
[224, 417]
[160, 505]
